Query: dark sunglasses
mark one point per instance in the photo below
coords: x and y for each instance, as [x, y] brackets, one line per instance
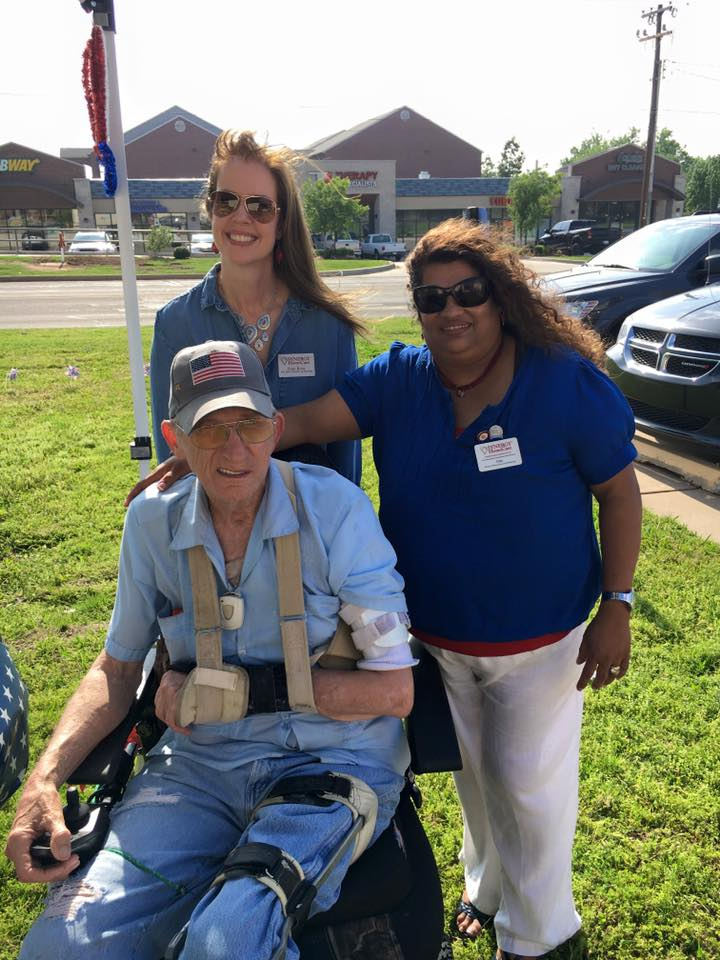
[225, 202]
[216, 434]
[467, 293]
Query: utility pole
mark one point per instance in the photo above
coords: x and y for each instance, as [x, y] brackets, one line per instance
[653, 17]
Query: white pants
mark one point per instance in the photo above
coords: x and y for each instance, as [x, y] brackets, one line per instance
[518, 721]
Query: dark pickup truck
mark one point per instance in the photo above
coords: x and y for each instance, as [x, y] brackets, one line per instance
[661, 260]
[579, 236]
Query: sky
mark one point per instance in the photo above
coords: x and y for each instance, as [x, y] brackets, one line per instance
[548, 73]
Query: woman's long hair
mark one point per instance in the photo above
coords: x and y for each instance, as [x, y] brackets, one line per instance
[297, 267]
[532, 315]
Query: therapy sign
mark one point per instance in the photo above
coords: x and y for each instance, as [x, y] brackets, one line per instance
[17, 164]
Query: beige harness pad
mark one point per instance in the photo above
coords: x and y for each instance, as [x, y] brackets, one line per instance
[217, 692]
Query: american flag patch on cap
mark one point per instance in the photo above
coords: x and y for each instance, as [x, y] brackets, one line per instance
[215, 365]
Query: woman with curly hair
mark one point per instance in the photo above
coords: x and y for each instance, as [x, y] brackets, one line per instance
[491, 442]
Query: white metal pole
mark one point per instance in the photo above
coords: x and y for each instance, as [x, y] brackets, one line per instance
[140, 449]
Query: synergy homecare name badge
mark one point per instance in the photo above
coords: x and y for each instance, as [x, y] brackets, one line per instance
[296, 364]
[498, 454]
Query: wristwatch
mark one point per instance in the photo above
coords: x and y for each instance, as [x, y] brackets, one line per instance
[624, 596]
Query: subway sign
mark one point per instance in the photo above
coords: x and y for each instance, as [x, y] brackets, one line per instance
[17, 164]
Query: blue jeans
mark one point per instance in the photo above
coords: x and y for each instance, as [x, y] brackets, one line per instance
[167, 842]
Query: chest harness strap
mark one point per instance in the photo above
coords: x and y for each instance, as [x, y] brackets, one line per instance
[218, 692]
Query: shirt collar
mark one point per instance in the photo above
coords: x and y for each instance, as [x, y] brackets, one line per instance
[210, 297]
[275, 517]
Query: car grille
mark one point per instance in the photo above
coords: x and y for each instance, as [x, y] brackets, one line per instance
[651, 336]
[645, 357]
[686, 341]
[689, 366]
[674, 419]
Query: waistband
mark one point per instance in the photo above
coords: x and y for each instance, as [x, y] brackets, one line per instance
[479, 649]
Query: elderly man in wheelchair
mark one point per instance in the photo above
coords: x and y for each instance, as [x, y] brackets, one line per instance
[279, 765]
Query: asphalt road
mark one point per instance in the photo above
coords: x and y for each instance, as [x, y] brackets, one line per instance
[99, 303]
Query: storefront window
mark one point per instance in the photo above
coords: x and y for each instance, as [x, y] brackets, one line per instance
[612, 213]
[412, 224]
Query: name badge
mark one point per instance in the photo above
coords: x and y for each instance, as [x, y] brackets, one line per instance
[498, 454]
[296, 364]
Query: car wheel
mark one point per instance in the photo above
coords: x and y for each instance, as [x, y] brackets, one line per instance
[377, 255]
[575, 250]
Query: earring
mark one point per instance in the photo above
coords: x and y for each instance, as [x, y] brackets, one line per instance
[279, 254]
[214, 247]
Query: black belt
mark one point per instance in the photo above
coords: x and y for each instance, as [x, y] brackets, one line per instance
[268, 686]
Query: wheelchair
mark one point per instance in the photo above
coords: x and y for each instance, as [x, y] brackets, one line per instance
[390, 905]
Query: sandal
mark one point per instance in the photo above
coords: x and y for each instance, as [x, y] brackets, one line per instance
[467, 909]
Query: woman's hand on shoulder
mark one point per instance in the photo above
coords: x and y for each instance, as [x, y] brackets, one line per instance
[165, 475]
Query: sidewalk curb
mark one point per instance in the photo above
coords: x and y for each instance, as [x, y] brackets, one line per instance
[67, 278]
[699, 472]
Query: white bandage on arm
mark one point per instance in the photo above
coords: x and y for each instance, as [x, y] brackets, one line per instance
[381, 637]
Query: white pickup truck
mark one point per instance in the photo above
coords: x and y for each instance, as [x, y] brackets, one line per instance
[341, 242]
[380, 246]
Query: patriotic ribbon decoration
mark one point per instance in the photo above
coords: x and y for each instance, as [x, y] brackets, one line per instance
[94, 85]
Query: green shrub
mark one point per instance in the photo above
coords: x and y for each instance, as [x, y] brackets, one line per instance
[181, 253]
[159, 238]
[540, 249]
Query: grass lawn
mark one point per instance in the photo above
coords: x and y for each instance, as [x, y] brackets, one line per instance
[51, 268]
[647, 857]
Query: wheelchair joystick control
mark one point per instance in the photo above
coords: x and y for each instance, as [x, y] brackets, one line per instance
[88, 824]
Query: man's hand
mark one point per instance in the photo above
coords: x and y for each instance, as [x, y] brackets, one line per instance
[40, 811]
[167, 699]
[165, 475]
[606, 644]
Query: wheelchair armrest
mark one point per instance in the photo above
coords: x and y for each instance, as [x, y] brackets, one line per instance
[430, 729]
[103, 764]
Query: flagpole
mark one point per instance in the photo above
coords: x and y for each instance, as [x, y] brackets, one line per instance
[141, 447]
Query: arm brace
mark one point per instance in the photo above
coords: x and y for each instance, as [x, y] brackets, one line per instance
[381, 637]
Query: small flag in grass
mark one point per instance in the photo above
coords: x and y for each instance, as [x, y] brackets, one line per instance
[146, 368]
[13, 373]
[72, 371]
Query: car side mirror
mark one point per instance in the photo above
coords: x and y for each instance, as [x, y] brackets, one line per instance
[711, 266]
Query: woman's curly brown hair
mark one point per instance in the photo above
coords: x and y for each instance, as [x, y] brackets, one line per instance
[531, 314]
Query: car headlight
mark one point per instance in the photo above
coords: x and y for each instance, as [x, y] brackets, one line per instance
[579, 309]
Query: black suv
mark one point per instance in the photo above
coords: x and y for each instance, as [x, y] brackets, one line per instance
[579, 236]
[658, 261]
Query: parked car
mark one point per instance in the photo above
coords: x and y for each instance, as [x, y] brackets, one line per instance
[380, 246]
[579, 236]
[92, 241]
[201, 244]
[345, 241]
[667, 363]
[34, 240]
[658, 261]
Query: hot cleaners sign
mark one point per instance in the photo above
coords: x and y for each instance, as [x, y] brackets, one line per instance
[17, 164]
[627, 161]
[359, 178]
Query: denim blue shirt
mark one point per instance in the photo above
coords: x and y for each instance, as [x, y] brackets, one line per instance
[345, 557]
[201, 314]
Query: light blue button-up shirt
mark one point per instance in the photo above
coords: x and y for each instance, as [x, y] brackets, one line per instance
[326, 345]
[345, 558]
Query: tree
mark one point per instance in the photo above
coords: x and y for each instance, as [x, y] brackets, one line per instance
[531, 198]
[328, 208]
[158, 239]
[703, 184]
[511, 159]
[488, 168]
[597, 143]
[667, 146]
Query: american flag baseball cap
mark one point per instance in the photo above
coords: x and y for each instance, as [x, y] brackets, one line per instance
[214, 375]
